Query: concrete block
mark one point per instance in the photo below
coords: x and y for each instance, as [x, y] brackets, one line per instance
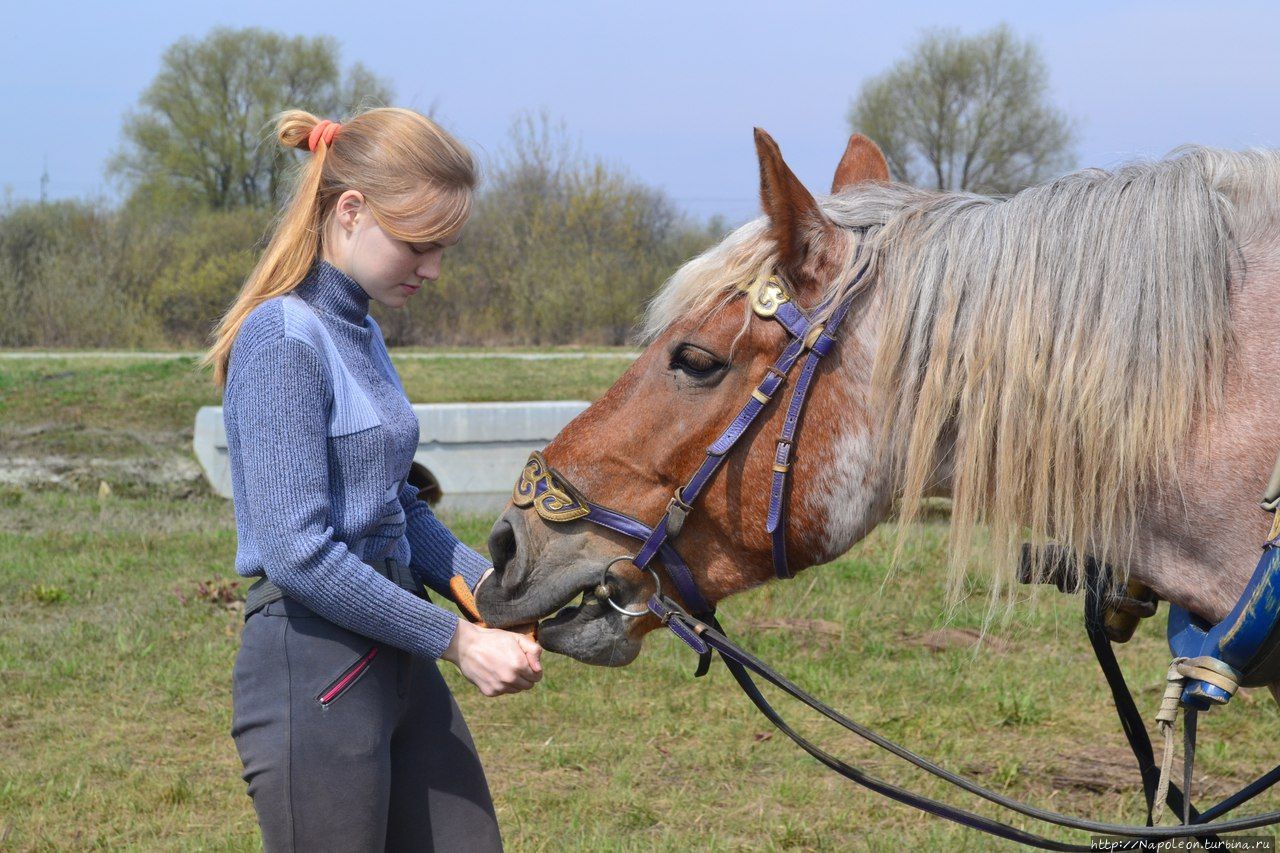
[474, 450]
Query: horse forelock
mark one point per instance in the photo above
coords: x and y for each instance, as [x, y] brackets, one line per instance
[1068, 337]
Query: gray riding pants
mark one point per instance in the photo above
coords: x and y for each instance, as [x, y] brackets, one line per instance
[351, 745]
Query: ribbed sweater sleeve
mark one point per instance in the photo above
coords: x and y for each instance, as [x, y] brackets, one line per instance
[437, 554]
[279, 403]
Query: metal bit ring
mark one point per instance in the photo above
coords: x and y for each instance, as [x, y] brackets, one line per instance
[604, 579]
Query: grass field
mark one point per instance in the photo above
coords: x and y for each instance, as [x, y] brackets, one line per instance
[115, 707]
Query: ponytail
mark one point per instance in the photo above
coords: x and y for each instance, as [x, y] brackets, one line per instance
[416, 178]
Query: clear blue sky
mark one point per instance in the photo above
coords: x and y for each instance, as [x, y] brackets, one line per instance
[667, 91]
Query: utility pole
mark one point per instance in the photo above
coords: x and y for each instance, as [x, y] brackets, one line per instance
[44, 181]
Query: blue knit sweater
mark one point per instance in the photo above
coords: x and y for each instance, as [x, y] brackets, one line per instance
[320, 437]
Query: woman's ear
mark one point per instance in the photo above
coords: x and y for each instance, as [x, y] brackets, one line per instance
[348, 210]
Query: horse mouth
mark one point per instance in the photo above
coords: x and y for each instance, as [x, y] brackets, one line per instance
[588, 606]
[591, 632]
[578, 624]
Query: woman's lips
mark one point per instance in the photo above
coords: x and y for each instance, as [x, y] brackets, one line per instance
[411, 288]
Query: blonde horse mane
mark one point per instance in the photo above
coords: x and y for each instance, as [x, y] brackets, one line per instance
[1058, 344]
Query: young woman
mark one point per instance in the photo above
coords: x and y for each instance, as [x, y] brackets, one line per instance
[349, 737]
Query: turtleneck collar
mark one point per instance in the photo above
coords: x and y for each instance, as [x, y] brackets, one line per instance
[331, 290]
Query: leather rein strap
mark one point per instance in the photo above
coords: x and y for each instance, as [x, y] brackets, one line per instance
[742, 664]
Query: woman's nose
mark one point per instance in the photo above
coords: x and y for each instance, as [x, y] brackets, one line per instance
[429, 268]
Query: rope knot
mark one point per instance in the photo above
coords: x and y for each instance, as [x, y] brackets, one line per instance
[1175, 681]
[1211, 671]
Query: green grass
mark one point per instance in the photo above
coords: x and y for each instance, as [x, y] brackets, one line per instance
[116, 651]
[116, 704]
[115, 407]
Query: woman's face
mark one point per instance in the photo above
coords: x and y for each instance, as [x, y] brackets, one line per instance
[391, 271]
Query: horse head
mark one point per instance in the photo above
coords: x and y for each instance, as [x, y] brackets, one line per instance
[632, 449]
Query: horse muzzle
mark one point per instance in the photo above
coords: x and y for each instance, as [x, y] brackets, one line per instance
[583, 607]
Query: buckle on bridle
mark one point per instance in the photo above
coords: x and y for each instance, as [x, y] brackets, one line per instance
[677, 512]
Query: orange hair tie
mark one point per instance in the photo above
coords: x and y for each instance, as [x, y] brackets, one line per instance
[325, 130]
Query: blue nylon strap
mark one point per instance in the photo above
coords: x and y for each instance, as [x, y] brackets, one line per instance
[679, 573]
[798, 396]
[694, 487]
[823, 344]
[775, 523]
[618, 522]
[652, 543]
[729, 437]
[781, 457]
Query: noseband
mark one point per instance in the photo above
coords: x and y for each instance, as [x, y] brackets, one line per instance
[556, 500]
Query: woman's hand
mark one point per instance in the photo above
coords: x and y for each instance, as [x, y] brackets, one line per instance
[495, 661]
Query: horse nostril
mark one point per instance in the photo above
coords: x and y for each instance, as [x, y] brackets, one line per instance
[504, 550]
[502, 545]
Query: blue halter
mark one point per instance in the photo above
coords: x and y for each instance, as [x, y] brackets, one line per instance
[1242, 649]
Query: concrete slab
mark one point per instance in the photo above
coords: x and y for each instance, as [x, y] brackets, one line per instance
[473, 450]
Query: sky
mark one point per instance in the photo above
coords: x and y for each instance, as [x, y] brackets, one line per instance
[667, 91]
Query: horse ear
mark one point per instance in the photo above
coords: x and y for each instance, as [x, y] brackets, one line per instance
[793, 213]
[862, 161]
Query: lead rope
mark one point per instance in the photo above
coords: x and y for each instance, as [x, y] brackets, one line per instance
[1180, 670]
[1166, 720]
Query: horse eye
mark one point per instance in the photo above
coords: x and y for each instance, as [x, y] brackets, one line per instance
[695, 362]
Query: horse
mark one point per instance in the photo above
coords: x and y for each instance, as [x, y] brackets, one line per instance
[1084, 364]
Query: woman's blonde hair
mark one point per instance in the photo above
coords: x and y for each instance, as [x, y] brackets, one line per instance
[416, 179]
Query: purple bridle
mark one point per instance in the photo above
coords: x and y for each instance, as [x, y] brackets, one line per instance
[555, 499]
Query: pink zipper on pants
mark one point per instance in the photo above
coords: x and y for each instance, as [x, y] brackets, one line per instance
[348, 678]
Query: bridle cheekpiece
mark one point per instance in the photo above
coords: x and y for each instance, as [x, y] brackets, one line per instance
[555, 500]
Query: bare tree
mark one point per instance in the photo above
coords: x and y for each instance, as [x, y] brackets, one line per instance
[562, 248]
[967, 113]
[202, 134]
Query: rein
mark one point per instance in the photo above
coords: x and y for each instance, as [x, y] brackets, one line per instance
[555, 500]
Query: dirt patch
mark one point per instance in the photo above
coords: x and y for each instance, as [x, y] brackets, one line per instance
[822, 632]
[803, 626]
[945, 639]
[1108, 770]
[167, 474]
[1097, 769]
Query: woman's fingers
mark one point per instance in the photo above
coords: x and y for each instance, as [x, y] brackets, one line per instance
[532, 652]
[499, 662]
